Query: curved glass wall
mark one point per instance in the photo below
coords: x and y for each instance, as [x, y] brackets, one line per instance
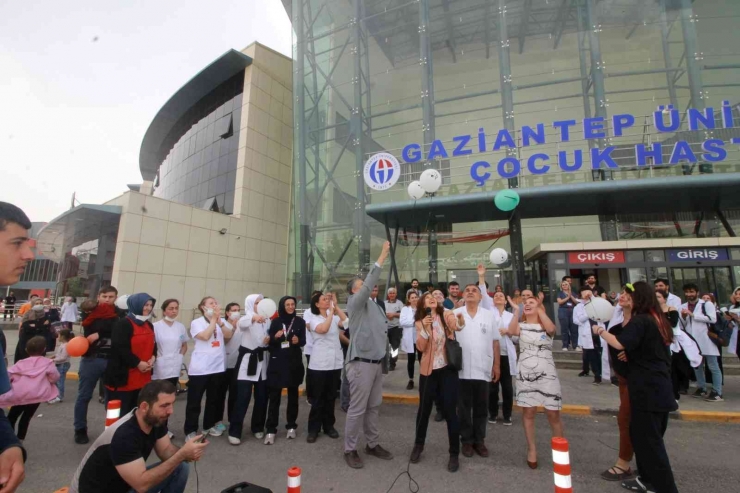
[378, 75]
[199, 167]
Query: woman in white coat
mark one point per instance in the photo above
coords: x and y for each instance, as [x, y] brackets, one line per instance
[69, 312]
[408, 338]
[171, 342]
[251, 371]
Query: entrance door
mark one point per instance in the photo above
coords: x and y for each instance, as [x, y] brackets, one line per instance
[714, 280]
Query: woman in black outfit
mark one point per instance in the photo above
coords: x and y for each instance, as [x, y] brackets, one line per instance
[35, 323]
[646, 339]
[287, 337]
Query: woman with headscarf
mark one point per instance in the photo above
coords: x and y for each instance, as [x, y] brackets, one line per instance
[251, 371]
[34, 323]
[287, 336]
[132, 353]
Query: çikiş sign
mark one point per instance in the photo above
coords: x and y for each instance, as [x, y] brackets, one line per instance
[698, 254]
[596, 257]
[666, 120]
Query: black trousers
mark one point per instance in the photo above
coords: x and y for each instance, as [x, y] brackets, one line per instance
[244, 390]
[309, 389]
[274, 395]
[507, 390]
[411, 361]
[324, 385]
[646, 431]
[443, 382]
[25, 413]
[472, 407]
[8, 313]
[592, 358]
[394, 339]
[228, 386]
[197, 386]
[128, 399]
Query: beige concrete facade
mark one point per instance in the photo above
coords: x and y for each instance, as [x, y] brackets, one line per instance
[171, 250]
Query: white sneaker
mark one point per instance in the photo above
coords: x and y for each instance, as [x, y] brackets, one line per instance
[291, 434]
[234, 440]
[270, 439]
[565, 349]
[579, 349]
[259, 435]
[215, 432]
[54, 400]
[220, 427]
[191, 436]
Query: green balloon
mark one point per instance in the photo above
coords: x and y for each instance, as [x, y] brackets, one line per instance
[506, 200]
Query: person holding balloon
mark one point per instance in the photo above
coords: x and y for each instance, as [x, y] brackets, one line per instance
[132, 353]
[251, 367]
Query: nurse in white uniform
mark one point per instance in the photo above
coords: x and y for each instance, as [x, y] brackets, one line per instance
[172, 343]
[408, 339]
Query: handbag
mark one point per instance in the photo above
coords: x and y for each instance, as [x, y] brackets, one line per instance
[454, 353]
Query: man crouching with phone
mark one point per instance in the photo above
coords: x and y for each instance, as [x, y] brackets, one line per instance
[116, 462]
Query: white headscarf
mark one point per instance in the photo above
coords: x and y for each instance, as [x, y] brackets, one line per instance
[249, 303]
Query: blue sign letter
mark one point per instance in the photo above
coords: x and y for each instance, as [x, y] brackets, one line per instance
[590, 127]
[516, 168]
[682, 152]
[599, 156]
[412, 153]
[532, 161]
[563, 160]
[642, 154]
[480, 179]
[620, 122]
[563, 126]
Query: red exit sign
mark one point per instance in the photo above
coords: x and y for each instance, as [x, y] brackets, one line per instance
[614, 257]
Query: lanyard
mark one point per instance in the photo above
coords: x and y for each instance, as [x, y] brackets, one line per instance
[287, 331]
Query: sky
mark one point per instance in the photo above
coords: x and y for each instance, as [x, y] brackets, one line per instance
[81, 80]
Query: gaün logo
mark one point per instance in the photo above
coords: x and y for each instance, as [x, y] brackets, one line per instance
[382, 171]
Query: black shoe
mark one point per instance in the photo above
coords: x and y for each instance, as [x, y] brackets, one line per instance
[81, 437]
[416, 453]
[410, 385]
[714, 397]
[311, 438]
[454, 464]
[333, 433]
[439, 416]
[700, 394]
[583, 374]
[615, 381]
[597, 381]
[392, 366]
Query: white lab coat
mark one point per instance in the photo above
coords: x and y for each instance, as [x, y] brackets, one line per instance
[673, 301]
[406, 320]
[698, 326]
[69, 312]
[169, 342]
[252, 337]
[502, 321]
[585, 333]
[476, 341]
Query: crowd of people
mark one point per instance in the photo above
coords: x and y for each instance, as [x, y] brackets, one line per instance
[472, 345]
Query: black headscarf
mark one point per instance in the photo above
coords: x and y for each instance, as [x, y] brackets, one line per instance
[284, 316]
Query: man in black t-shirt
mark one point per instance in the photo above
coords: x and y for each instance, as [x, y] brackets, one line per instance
[116, 462]
[595, 288]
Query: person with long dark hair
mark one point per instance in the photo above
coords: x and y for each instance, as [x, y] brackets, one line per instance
[645, 339]
[434, 326]
[287, 337]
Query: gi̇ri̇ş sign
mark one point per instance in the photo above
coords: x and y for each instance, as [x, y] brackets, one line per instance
[665, 120]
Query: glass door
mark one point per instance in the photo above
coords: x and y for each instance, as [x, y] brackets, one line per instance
[716, 280]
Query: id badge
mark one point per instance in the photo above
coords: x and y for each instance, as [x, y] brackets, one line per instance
[285, 344]
[216, 344]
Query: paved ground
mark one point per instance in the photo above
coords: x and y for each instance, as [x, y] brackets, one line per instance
[704, 456]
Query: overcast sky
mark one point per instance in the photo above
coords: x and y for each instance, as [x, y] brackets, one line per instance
[80, 81]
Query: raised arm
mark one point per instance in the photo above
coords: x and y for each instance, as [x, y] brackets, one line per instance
[545, 321]
[486, 301]
[514, 329]
[358, 300]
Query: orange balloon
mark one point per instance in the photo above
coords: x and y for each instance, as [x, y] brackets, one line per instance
[78, 346]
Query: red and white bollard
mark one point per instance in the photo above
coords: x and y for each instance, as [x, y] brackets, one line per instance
[294, 480]
[561, 464]
[112, 413]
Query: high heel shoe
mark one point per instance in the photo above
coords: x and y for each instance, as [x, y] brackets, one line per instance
[532, 465]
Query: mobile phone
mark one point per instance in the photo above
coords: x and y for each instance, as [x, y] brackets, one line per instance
[202, 439]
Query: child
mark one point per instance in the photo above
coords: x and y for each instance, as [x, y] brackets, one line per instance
[61, 360]
[32, 382]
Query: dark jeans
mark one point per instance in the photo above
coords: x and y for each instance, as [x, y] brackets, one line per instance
[568, 329]
[197, 386]
[127, 398]
[8, 313]
[25, 412]
[244, 390]
[228, 386]
[592, 358]
[309, 390]
[394, 339]
[91, 370]
[507, 390]
[646, 431]
[324, 384]
[411, 362]
[472, 407]
[174, 483]
[274, 395]
[444, 382]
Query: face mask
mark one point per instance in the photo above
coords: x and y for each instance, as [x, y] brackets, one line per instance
[209, 312]
[234, 315]
[169, 319]
[38, 308]
[143, 318]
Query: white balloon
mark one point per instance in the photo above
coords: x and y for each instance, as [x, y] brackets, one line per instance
[430, 180]
[597, 308]
[499, 256]
[122, 302]
[416, 191]
[266, 308]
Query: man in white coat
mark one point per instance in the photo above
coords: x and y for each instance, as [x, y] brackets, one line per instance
[672, 300]
[481, 364]
[697, 315]
[591, 344]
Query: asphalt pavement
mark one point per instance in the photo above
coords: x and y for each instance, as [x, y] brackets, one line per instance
[703, 455]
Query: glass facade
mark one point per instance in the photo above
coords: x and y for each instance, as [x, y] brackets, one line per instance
[200, 154]
[373, 76]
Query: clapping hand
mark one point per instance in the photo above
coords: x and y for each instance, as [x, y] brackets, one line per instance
[279, 334]
[295, 340]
